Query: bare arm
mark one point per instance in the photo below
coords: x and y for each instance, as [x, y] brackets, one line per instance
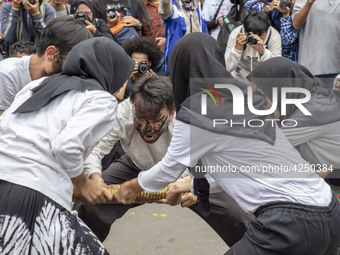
[300, 18]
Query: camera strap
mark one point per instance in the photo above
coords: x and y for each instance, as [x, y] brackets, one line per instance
[218, 9]
[145, 13]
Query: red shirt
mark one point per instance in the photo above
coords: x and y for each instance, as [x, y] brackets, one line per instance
[157, 28]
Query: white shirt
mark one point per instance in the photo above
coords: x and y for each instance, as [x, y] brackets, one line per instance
[14, 75]
[317, 144]
[209, 10]
[250, 190]
[43, 150]
[144, 155]
[241, 62]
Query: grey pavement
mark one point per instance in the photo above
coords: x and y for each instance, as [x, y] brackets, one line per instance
[156, 229]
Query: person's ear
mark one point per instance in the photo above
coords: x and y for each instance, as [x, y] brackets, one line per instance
[172, 115]
[51, 53]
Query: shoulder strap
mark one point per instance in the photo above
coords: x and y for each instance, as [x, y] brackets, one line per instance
[145, 13]
[270, 34]
[218, 9]
[42, 11]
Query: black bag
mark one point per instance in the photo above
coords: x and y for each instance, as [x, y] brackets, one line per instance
[235, 16]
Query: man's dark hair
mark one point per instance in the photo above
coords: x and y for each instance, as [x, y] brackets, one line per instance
[63, 33]
[145, 45]
[256, 22]
[22, 47]
[152, 93]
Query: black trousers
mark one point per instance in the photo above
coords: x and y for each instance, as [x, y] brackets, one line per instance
[227, 219]
[292, 229]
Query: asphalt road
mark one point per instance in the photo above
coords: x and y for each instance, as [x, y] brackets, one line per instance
[156, 229]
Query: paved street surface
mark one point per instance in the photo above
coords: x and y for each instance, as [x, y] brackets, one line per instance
[155, 229]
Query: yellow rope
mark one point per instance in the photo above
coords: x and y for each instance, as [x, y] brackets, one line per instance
[142, 197]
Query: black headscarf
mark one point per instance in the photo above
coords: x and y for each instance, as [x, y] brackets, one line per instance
[198, 55]
[281, 72]
[94, 64]
[76, 3]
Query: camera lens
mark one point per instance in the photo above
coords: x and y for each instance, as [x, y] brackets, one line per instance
[143, 67]
[251, 40]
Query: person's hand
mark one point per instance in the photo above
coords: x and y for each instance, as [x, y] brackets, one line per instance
[93, 190]
[160, 42]
[128, 191]
[90, 27]
[241, 40]
[274, 4]
[1, 37]
[33, 9]
[16, 4]
[131, 21]
[286, 12]
[311, 2]
[114, 21]
[96, 177]
[188, 199]
[259, 45]
[220, 20]
[173, 195]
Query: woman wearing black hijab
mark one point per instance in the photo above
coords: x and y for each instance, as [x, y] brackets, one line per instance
[95, 25]
[290, 207]
[316, 136]
[50, 128]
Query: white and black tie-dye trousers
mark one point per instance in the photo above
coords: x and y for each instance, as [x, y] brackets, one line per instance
[31, 223]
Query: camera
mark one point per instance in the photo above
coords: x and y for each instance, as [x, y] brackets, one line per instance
[113, 8]
[250, 39]
[31, 1]
[284, 4]
[81, 16]
[143, 67]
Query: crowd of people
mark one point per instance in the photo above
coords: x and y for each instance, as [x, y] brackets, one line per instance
[141, 94]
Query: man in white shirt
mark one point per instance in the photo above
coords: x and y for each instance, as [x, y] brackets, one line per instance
[57, 39]
[144, 125]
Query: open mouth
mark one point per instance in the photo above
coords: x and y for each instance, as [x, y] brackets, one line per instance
[149, 138]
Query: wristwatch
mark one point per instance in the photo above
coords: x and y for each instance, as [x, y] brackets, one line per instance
[139, 27]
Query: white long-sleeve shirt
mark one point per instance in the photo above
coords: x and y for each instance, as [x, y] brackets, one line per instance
[144, 155]
[250, 189]
[240, 63]
[43, 150]
[317, 144]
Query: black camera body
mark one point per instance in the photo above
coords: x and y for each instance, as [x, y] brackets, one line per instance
[31, 1]
[113, 8]
[143, 67]
[81, 16]
[250, 39]
[284, 4]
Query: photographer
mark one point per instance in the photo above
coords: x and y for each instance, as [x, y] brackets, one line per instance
[250, 44]
[83, 10]
[134, 7]
[119, 29]
[148, 60]
[281, 18]
[24, 20]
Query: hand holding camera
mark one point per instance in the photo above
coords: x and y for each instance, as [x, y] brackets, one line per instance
[285, 7]
[255, 41]
[32, 6]
[241, 40]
